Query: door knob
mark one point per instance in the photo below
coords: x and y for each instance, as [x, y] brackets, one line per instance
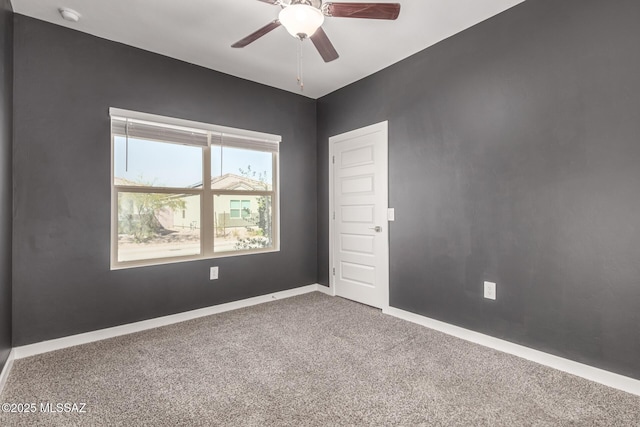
[377, 228]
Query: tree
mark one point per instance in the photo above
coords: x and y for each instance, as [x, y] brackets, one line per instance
[143, 210]
[264, 213]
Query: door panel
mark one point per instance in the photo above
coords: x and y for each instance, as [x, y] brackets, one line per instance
[357, 243]
[362, 214]
[360, 238]
[359, 184]
[356, 157]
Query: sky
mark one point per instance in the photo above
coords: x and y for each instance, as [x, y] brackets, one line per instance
[174, 165]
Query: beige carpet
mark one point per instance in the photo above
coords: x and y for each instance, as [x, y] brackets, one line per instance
[307, 360]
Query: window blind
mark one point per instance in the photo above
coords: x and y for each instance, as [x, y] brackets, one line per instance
[247, 143]
[139, 129]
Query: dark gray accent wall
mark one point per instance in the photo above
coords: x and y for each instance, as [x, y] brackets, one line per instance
[514, 153]
[6, 187]
[65, 82]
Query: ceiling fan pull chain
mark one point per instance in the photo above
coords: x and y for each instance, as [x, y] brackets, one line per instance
[300, 81]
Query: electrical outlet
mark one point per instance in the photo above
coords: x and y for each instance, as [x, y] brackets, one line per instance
[213, 273]
[489, 290]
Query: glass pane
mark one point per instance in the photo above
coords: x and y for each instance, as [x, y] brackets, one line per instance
[156, 164]
[157, 225]
[240, 169]
[251, 229]
[246, 208]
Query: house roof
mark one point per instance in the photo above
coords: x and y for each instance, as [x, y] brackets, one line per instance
[123, 181]
[230, 181]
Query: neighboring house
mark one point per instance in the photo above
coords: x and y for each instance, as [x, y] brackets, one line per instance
[230, 211]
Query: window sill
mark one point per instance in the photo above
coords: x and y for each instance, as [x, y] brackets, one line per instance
[164, 261]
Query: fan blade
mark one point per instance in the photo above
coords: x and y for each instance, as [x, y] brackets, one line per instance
[257, 34]
[324, 45]
[362, 10]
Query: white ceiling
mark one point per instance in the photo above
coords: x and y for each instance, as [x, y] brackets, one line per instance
[202, 31]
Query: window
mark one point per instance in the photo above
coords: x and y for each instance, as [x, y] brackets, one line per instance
[240, 209]
[184, 190]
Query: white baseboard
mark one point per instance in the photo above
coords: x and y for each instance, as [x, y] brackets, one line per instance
[4, 375]
[620, 382]
[73, 340]
[326, 290]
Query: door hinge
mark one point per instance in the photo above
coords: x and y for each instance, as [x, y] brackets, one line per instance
[333, 160]
[334, 215]
[334, 271]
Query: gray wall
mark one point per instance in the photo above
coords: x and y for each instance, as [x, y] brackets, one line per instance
[6, 203]
[64, 83]
[514, 157]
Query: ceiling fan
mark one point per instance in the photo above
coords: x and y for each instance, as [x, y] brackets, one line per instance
[303, 19]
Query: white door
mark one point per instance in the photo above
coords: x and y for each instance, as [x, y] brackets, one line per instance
[359, 235]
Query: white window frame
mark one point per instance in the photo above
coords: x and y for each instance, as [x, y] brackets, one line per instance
[207, 194]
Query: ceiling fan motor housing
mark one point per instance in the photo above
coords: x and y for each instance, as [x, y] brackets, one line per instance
[315, 3]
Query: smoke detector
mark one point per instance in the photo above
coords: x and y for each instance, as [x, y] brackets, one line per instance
[69, 14]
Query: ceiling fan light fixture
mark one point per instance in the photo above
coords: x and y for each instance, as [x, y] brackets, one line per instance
[301, 20]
